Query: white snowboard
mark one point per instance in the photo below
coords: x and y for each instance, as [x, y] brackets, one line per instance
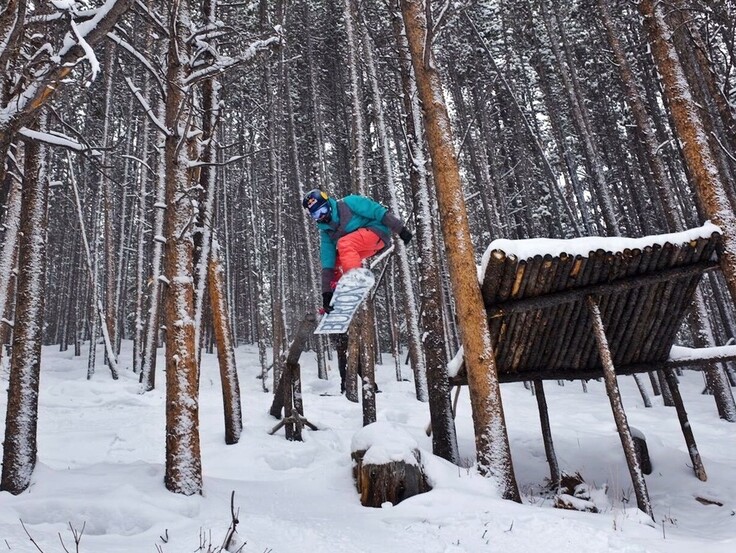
[350, 292]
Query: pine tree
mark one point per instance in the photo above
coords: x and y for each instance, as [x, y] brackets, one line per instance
[491, 439]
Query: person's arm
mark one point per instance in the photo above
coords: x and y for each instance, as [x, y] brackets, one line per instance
[371, 209]
[328, 258]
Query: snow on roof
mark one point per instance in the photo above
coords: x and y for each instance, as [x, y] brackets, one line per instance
[525, 249]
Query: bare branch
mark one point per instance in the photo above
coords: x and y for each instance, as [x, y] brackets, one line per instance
[152, 17]
[146, 107]
[117, 39]
[29, 535]
[226, 63]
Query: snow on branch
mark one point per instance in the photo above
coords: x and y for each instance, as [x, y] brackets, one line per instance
[232, 159]
[76, 46]
[89, 54]
[146, 107]
[209, 31]
[223, 63]
[88, 28]
[125, 45]
[54, 139]
[139, 161]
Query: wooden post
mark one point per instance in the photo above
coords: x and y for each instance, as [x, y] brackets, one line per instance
[687, 431]
[619, 415]
[549, 448]
[353, 366]
[288, 390]
[278, 400]
[666, 392]
[367, 364]
[293, 432]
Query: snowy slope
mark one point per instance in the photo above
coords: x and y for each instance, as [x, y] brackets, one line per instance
[101, 454]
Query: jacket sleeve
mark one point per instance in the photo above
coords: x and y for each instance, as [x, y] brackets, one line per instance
[328, 257]
[370, 209]
[392, 222]
[328, 276]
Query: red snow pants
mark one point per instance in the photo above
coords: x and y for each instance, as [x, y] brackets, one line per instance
[355, 247]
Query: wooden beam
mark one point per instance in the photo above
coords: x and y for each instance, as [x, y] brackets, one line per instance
[290, 381]
[549, 448]
[710, 355]
[687, 430]
[603, 289]
[304, 331]
[592, 373]
[617, 406]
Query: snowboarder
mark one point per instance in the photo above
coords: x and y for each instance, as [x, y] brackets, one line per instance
[350, 230]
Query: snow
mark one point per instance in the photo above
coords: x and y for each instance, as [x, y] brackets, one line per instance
[147, 108]
[525, 249]
[101, 449]
[89, 54]
[52, 138]
[384, 442]
[681, 353]
[63, 4]
[456, 363]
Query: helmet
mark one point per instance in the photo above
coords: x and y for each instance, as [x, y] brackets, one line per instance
[318, 205]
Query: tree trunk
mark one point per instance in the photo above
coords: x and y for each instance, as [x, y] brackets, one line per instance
[19, 452]
[225, 350]
[110, 271]
[367, 320]
[432, 313]
[411, 313]
[183, 472]
[208, 186]
[150, 336]
[8, 254]
[492, 446]
[699, 159]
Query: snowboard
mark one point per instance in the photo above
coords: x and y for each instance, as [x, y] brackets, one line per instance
[350, 292]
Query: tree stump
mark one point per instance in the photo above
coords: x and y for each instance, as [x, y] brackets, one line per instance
[573, 494]
[387, 465]
[641, 450]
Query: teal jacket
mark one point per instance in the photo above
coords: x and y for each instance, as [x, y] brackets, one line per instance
[348, 215]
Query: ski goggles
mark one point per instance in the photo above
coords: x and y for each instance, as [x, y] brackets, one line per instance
[320, 213]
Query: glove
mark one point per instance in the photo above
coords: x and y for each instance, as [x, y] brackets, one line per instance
[405, 235]
[326, 299]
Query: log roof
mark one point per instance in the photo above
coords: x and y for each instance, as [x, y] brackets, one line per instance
[540, 327]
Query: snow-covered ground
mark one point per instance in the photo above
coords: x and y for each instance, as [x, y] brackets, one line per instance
[101, 454]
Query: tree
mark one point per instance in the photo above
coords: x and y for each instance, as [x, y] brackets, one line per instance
[688, 125]
[183, 461]
[491, 439]
[411, 312]
[48, 69]
[19, 451]
[444, 439]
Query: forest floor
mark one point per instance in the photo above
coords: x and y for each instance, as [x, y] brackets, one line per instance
[101, 464]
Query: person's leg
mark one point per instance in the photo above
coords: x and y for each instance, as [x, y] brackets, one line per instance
[341, 346]
[356, 246]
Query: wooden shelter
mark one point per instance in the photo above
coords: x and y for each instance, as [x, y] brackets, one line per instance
[597, 307]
